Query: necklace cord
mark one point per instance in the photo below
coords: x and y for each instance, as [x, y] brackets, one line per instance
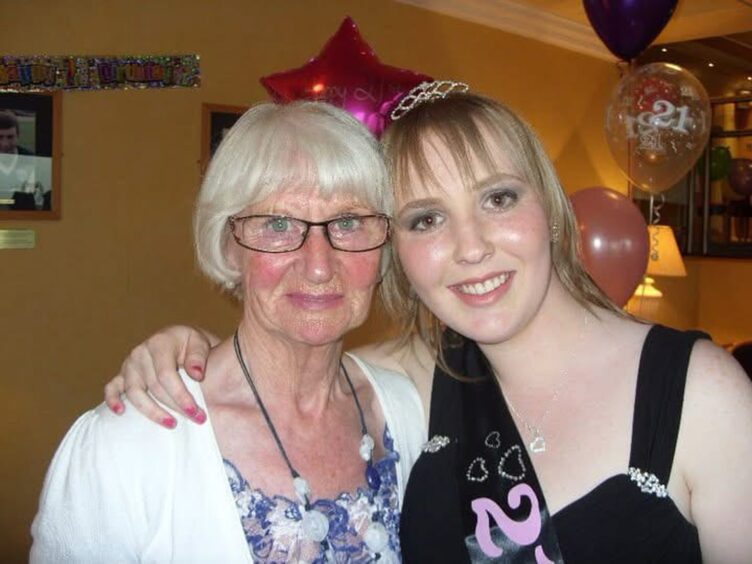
[376, 537]
[265, 413]
[363, 428]
[247, 374]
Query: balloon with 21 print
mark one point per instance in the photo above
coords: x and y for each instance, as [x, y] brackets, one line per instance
[657, 125]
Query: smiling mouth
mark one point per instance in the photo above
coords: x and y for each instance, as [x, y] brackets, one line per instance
[485, 287]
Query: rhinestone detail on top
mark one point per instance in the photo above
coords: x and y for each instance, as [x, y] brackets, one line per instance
[647, 482]
[436, 443]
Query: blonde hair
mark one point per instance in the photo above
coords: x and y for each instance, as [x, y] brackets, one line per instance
[463, 122]
[273, 147]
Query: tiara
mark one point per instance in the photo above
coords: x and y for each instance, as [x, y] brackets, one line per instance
[426, 92]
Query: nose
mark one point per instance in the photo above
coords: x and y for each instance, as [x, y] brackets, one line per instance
[471, 242]
[318, 256]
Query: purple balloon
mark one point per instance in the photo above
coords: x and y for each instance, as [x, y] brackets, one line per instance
[627, 27]
[740, 176]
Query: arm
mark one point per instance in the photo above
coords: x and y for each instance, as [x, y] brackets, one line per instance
[715, 452]
[84, 513]
[150, 372]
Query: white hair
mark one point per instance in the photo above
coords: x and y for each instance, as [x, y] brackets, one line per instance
[273, 147]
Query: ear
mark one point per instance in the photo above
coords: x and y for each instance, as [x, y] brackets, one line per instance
[233, 253]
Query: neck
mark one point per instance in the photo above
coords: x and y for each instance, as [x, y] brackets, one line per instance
[297, 374]
[554, 336]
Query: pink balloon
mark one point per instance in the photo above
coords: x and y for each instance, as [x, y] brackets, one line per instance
[347, 74]
[740, 176]
[614, 240]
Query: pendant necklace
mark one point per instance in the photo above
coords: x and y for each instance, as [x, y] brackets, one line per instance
[537, 444]
[315, 525]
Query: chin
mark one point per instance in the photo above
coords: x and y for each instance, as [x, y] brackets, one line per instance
[487, 337]
[488, 331]
[316, 333]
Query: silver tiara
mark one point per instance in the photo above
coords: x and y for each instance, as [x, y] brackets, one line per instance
[426, 92]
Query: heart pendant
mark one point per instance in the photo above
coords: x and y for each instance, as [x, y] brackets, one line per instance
[537, 445]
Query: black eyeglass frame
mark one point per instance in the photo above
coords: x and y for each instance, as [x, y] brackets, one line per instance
[232, 221]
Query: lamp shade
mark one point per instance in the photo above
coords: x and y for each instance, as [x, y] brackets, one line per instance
[664, 258]
[647, 289]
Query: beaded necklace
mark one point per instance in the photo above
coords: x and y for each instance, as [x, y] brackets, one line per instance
[315, 525]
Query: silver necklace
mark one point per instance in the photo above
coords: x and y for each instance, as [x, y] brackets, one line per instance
[537, 444]
[315, 525]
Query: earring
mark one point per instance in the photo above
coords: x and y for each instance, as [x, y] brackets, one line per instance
[555, 232]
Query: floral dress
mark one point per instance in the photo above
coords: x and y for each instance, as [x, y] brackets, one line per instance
[272, 524]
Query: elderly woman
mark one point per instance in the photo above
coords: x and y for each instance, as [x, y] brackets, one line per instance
[574, 432]
[305, 451]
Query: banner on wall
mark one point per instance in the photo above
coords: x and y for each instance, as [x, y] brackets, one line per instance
[72, 72]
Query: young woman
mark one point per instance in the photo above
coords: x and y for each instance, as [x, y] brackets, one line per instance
[560, 429]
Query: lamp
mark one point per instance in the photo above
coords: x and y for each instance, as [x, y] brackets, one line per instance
[664, 260]
[647, 289]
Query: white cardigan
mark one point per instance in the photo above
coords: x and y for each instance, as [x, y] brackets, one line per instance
[122, 489]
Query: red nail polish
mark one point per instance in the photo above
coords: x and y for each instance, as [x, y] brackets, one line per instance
[118, 408]
[169, 422]
[197, 368]
[196, 414]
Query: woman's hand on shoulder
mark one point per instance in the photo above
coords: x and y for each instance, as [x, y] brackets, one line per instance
[150, 373]
[717, 429]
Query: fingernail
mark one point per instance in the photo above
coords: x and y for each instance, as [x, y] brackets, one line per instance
[118, 408]
[197, 368]
[196, 414]
[169, 422]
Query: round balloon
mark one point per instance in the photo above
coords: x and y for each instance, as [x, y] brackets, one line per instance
[614, 240]
[657, 124]
[740, 176]
[628, 27]
[720, 162]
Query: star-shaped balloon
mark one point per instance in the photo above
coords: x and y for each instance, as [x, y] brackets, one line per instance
[348, 74]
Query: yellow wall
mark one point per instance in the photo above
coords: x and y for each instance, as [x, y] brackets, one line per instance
[725, 307]
[713, 297]
[119, 265]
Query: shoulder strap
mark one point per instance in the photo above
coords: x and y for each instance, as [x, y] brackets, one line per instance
[659, 398]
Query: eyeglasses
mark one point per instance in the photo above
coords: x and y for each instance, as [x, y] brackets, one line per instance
[282, 234]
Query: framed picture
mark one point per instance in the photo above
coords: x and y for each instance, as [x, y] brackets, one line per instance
[30, 155]
[216, 119]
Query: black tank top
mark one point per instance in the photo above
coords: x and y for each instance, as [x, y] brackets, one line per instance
[473, 495]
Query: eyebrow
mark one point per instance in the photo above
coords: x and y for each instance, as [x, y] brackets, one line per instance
[497, 177]
[489, 181]
[421, 204]
[347, 208]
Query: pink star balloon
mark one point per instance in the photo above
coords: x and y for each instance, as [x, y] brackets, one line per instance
[348, 74]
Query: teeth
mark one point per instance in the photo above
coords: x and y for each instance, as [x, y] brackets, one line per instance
[480, 288]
